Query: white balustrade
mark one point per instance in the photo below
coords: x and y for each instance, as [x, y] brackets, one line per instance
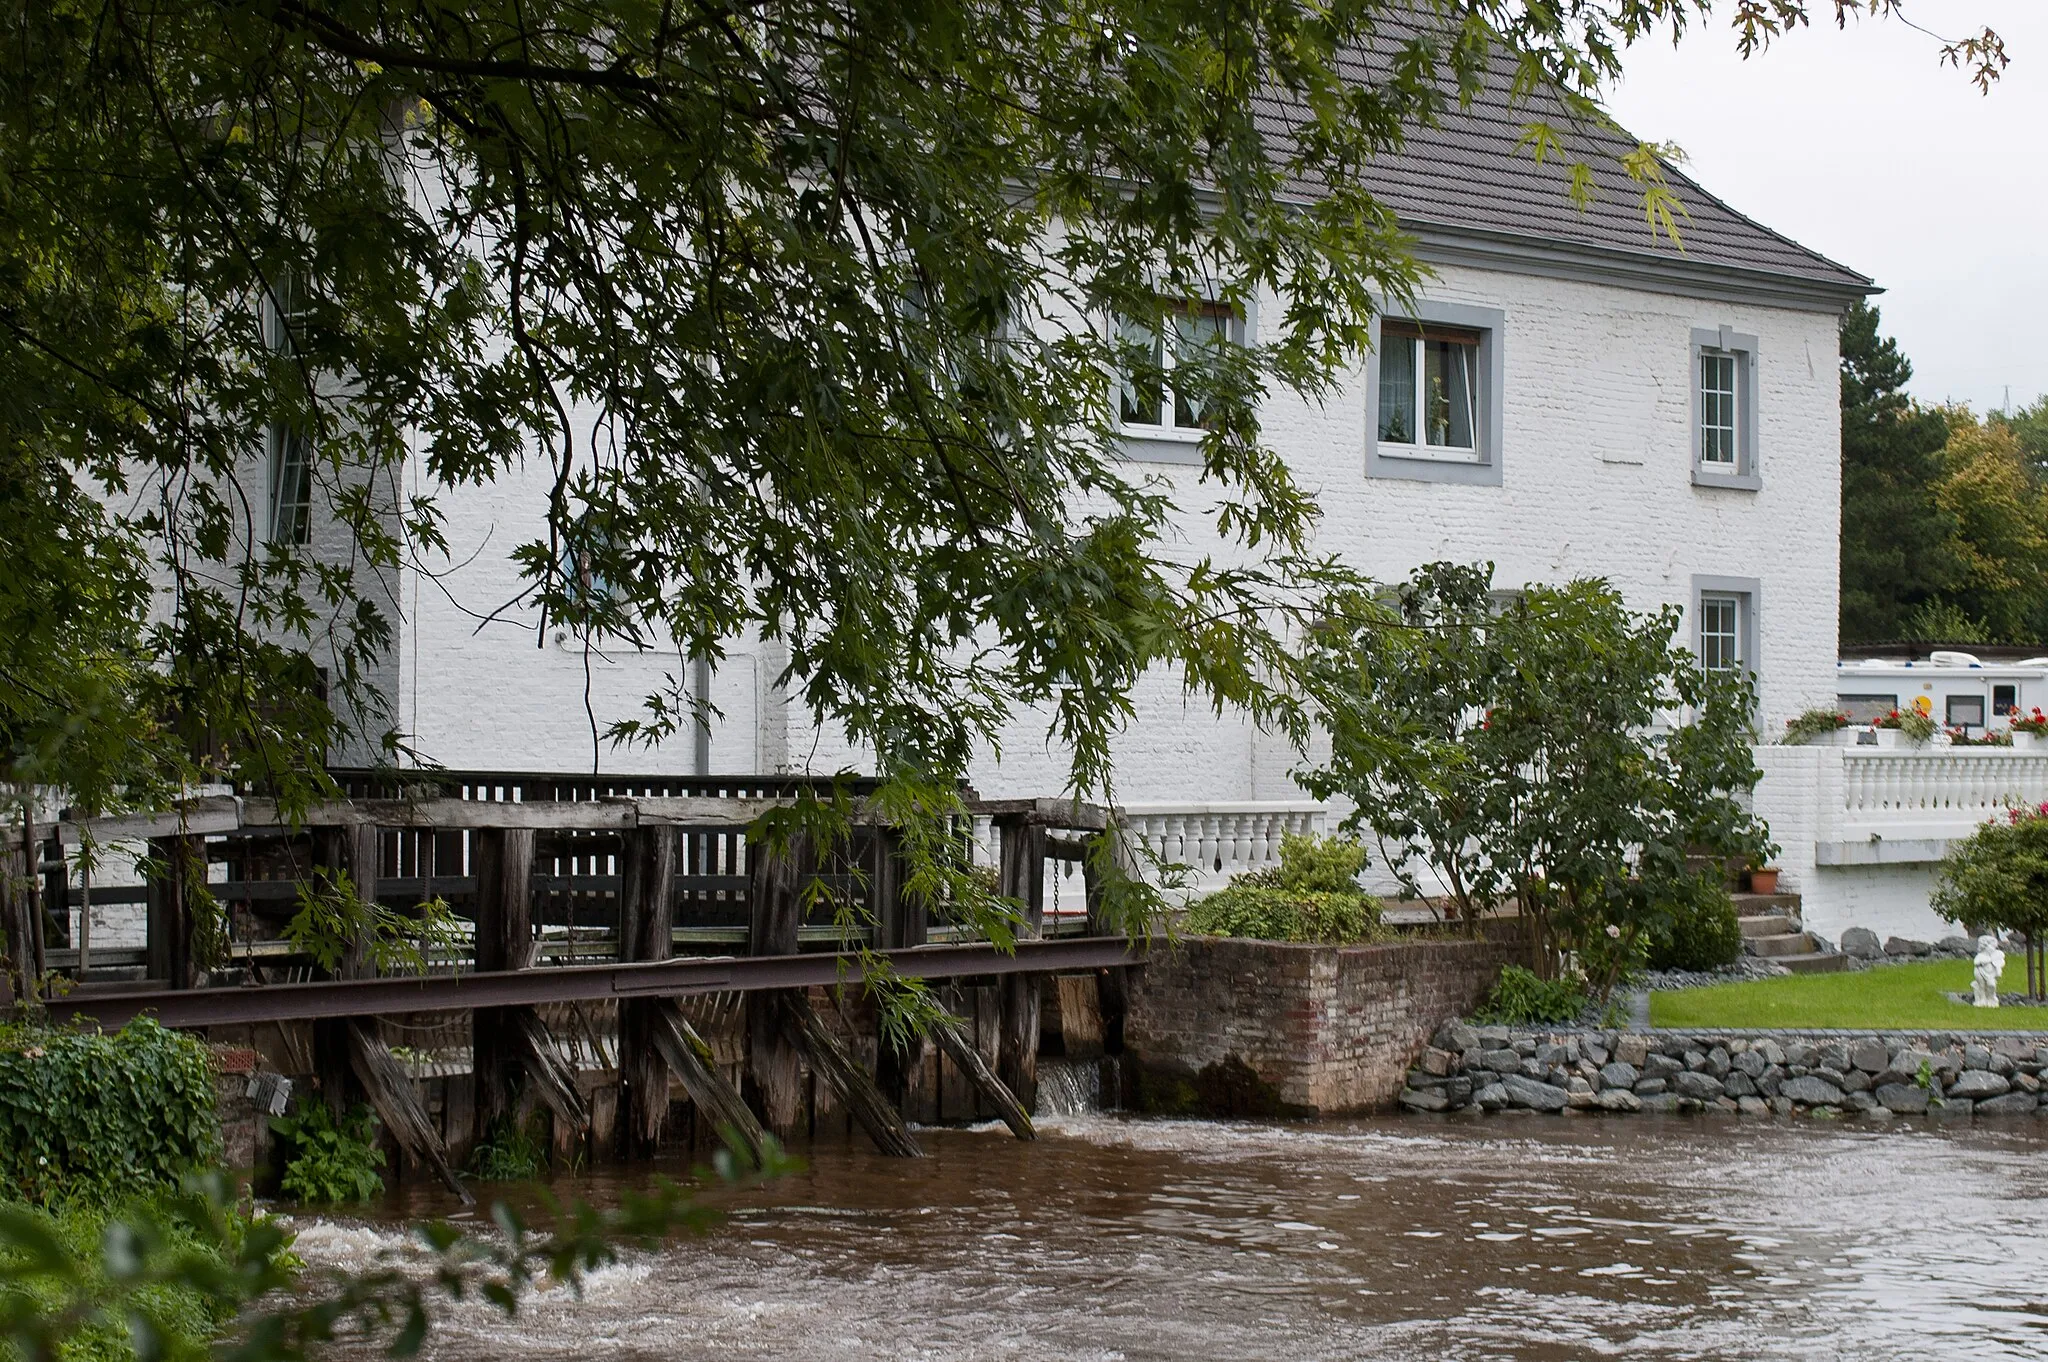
[1215, 841]
[1935, 792]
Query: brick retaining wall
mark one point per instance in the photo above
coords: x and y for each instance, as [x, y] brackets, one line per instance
[1234, 1027]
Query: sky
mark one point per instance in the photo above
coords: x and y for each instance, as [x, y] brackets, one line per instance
[1863, 146]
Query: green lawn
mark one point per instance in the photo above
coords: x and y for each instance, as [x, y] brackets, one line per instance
[1890, 997]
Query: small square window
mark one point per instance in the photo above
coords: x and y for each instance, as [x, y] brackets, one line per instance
[1866, 708]
[1429, 390]
[1966, 711]
[2004, 700]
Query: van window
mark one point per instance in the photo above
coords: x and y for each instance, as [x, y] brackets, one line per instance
[1966, 711]
[2004, 700]
[1863, 709]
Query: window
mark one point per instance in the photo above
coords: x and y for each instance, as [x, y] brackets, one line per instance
[1720, 633]
[1724, 622]
[1966, 711]
[1429, 388]
[291, 486]
[2004, 700]
[1866, 708]
[1150, 402]
[290, 459]
[1724, 422]
[1433, 395]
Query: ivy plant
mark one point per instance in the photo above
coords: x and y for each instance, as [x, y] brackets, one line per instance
[329, 1160]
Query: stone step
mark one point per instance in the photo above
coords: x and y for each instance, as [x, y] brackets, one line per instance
[1749, 905]
[1771, 947]
[1768, 924]
[1816, 962]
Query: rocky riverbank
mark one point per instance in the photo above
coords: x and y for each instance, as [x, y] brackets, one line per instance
[1498, 1068]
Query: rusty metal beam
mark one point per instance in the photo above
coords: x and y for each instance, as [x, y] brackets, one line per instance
[580, 983]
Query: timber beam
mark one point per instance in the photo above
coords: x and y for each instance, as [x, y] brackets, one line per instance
[583, 983]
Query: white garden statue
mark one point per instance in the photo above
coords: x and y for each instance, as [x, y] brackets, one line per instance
[1990, 965]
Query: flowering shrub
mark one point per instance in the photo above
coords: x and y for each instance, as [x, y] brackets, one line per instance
[1812, 724]
[1960, 737]
[2037, 722]
[1916, 726]
[1997, 879]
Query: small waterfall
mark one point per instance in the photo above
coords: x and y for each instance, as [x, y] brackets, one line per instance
[1075, 1087]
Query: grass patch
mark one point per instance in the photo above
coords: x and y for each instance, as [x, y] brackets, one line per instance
[1890, 997]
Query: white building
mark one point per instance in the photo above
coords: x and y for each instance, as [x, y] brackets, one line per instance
[1664, 418]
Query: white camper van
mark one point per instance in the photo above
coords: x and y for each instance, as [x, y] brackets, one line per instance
[1963, 692]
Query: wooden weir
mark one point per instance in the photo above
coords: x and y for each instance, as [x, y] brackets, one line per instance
[599, 989]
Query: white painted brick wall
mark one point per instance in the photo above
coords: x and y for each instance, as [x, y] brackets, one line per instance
[1597, 463]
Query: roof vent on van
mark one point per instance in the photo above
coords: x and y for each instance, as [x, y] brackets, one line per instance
[1948, 659]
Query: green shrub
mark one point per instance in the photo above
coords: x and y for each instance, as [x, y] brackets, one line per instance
[1311, 896]
[330, 1161]
[510, 1152]
[1519, 998]
[181, 1320]
[85, 1114]
[1703, 933]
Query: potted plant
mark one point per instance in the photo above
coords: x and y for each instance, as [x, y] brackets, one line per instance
[2029, 731]
[1822, 727]
[1903, 726]
[1763, 879]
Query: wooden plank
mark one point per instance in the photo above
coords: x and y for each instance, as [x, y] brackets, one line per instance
[646, 932]
[503, 861]
[718, 1103]
[393, 1094]
[852, 1084]
[775, 911]
[1021, 876]
[952, 1040]
[168, 931]
[1056, 813]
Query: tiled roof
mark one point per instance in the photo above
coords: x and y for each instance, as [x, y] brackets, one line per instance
[1469, 173]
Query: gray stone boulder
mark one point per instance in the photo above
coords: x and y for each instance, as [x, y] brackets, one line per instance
[1661, 1066]
[1700, 1087]
[1752, 1062]
[1902, 947]
[1907, 1099]
[1854, 1081]
[1650, 1087]
[1427, 1100]
[1527, 1092]
[1797, 1055]
[1665, 1103]
[1438, 1062]
[1869, 1055]
[1635, 1049]
[1956, 945]
[1905, 1066]
[1593, 1052]
[1503, 1061]
[2011, 1104]
[1834, 1055]
[1739, 1085]
[1772, 1052]
[1492, 1097]
[1862, 1101]
[1456, 1035]
[1618, 1075]
[1811, 1092]
[1752, 1106]
[1955, 1109]
[1719, 1061]
[1978, 1083]
[1617, 1099]
[1860, 943]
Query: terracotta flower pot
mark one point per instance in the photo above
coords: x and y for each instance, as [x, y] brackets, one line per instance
[1763, 881]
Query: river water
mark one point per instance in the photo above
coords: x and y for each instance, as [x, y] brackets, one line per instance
[1406, 1237]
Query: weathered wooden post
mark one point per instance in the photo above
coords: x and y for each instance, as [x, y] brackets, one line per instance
[507, 1043]
[1021, 876]
[175, 864]
[646, 932]
[16, 918]
[1112, 984]
[774, 915]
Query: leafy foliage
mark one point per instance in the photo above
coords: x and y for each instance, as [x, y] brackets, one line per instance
[1997, 878]
[1915, 725]
[1813, 723]
[84, 1114]
[1557, 751]
[334, 920]
[1701, 932]
[329, 1161]
[59, 1292]
[131, 1295]
[510, 1152]
[1521, 997]
[1311, 896]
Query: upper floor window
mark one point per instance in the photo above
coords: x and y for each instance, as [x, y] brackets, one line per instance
[1433, 395]
[1725, 622]
[1149, 401]
[289, 456]
[1724, 409]
[1429, 388]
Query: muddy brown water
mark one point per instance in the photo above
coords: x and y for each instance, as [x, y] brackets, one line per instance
[1538, 1238]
